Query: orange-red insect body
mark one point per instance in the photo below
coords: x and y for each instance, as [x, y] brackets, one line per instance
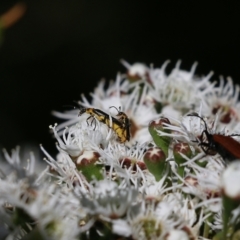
[224, 145]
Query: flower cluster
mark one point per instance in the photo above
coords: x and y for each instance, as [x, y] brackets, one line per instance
[146, 158]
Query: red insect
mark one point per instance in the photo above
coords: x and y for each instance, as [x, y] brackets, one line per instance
[224, 145]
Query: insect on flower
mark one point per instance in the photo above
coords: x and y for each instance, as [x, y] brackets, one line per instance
[120, 126]
[123, 118]
[224, 145]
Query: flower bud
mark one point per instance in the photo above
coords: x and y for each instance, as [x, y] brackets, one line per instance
[154, 159]
[128, 162]
[227, 114]
[137, 72]
[162, 142]
[179, 149]
[86, 163]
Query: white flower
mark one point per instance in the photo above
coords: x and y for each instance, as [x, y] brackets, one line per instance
[125, 162]
[105, 198]
[182, 206]
[131, 98]
[155, 221]
[79, 137]
[230, 180]
[27, 168]
[223, 100]
[98, 179]
[56, 212]
[177, 235]
[205, 184]
[121, 227]
[148, 226]
[63, 170]
[180, 89]
[22, 195]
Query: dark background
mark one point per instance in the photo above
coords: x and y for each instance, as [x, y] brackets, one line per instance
[60, 49]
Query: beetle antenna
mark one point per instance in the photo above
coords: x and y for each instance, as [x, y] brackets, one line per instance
[196, 115]
[234, 135]
[116, 108]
